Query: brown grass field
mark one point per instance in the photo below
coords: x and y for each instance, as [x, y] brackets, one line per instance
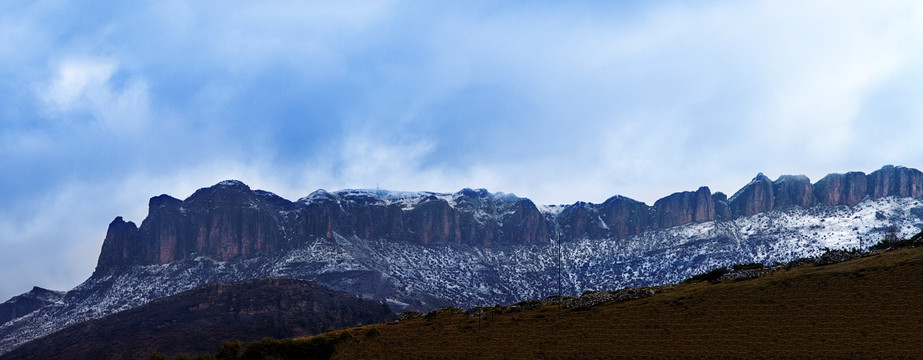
[870, 307]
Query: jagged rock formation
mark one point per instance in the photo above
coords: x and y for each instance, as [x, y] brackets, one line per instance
[198, 320]
[722, 207]
[684, 207]
[793, 190]
[841, 189]
[24, 304]
[850, 188]
[230, 220]
[895, 181]
[754, 198]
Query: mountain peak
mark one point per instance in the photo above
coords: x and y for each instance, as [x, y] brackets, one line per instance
[26, 303]
[232, 184]
[481, 192]
[227, 190]
[793, 178]
[163, 201]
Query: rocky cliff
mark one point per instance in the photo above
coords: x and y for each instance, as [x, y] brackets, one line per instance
[722, 207]
[850, 188]
[755, 197]
[793, 190]
[230, 220]
[222, 222]
[684, 207]
[841, 189]
[895, 181]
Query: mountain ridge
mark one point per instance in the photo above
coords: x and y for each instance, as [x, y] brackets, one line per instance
[176, 229]
[419, 251]
[197, 320]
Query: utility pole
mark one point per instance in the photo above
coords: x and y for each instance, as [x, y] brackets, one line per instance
[560, 254]
[557, 234]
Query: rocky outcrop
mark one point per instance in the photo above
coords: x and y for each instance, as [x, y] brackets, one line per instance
[620, 216]
[836, 256]
[434, 221]
[753, 198]
[850, 188]
[409, 315]
[841, 189]
[26, 303]
[524, 225]
[684, 207]
[222, 222]
[122, 243]
[624, 216]
[581, 221]
[722, 208]
[230, 220]
[793, 190]
[895, 181]
[592, 298]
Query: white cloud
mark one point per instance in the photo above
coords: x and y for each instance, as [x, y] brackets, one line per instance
[85, 85]
[78, 80]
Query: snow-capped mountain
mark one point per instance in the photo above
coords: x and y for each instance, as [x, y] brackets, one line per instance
[420, 250]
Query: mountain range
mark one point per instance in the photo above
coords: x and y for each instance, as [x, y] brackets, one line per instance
[196, 321]
[422, 250]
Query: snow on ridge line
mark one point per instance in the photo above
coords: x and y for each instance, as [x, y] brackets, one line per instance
[551, 210]
[469, 275]
[404, 198]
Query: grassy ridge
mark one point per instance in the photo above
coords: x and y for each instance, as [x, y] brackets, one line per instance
[867, 307]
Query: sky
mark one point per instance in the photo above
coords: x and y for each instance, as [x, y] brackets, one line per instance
[105, 104]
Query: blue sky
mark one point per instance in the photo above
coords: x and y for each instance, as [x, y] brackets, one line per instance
[105, 104]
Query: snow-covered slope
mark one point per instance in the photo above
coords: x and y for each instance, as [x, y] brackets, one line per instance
[408, 275]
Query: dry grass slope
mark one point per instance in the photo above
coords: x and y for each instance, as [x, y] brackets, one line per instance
[869, 307]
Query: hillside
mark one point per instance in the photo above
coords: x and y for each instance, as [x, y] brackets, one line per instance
[197, 321]
[26, 303]
[867, 307]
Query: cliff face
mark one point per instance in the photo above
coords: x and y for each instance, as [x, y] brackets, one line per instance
[122, 244]
[753, 198]
[850, 188]
[841, 189]
[683, 208]
[581, 220]
[722, 207]
[895, 181]
[793, 190]
[624, 216]
[230, 220]
[221, 222]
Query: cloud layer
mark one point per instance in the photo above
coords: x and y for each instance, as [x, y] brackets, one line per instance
[107, 105]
